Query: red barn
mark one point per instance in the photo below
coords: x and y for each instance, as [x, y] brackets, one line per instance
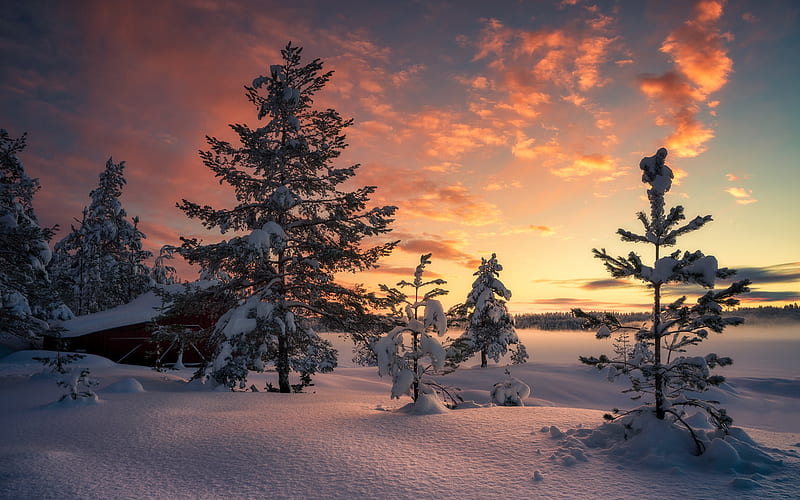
[124, 334]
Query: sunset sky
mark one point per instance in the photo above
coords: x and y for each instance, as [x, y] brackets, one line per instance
[513, 127]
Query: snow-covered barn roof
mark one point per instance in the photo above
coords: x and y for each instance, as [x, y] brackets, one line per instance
[142, 309]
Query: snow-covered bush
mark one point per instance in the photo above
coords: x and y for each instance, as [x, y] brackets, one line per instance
[510, 391]
[660, 375]
[296, 227]
[490, 327]
[60, 362]
[642, 439]
[79, 386]
[100, 263]
[409, 351]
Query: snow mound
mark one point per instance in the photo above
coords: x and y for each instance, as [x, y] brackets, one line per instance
[426, 404]
[125, 386]
[640, 438]
[68, 402]
[26, 358]
[510, 391]
[469, 404]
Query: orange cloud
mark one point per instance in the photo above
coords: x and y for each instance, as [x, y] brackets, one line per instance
[493, 39]
[423, 194]
[526, 149]
[540, 229]
[689, 138]
[670, 88]
[702, 66]
[499, 186]
[441, 249]
[566, 164]
[451, 139]
[736, 177]
[528, 62]
[406, 272]
[696, 48]
[453, 203]
[743, 196]
[585, 165]
[593, 53]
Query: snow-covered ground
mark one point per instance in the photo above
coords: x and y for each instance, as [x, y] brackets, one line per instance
[345, 438]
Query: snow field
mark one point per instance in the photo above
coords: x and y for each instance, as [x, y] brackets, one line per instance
[345, 439]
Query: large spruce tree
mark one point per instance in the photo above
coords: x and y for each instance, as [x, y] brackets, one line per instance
[26, 296]
[665, 380]
[100, 263]
[297, 226]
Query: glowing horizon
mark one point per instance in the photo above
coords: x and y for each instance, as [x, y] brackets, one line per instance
[506, 128]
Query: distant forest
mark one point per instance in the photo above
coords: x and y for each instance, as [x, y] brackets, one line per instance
[566, 321]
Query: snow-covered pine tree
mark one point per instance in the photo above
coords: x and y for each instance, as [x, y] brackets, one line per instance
[298, 227]
[490, 328]
[100, 263]
[408, 362]
[163, 273]
[660, 375]
[27, 299]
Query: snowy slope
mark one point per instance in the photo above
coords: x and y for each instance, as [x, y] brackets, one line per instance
[347, 440]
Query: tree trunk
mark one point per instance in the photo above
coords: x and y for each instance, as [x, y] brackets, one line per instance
[659, 376]
[484, 361]
[415, 348]
[282, 364]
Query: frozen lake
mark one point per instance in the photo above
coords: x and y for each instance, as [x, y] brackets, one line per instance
[757, 351]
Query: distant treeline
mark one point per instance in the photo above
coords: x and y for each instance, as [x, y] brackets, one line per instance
[769, 314]
[566, 321]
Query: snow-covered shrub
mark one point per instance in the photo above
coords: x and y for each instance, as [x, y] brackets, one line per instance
[297, 226]
[409, 351]
[60, 362]
[510, 391]
[490, 328]
[78, 385]
[642, 439]
[661, 376]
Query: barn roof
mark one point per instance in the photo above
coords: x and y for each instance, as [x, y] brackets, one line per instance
[142, 309]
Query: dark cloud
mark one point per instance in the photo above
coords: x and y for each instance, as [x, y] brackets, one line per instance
[780, 273]
[567, 303]
[606, 283]
[765, 296]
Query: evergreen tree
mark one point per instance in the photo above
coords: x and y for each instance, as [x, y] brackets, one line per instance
[490, 327]
[408, 363]
[100, 263]
[659, 374]
[163, 273]
[26, 296]
[298, 227]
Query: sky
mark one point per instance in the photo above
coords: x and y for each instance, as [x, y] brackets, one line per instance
[507, 127]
